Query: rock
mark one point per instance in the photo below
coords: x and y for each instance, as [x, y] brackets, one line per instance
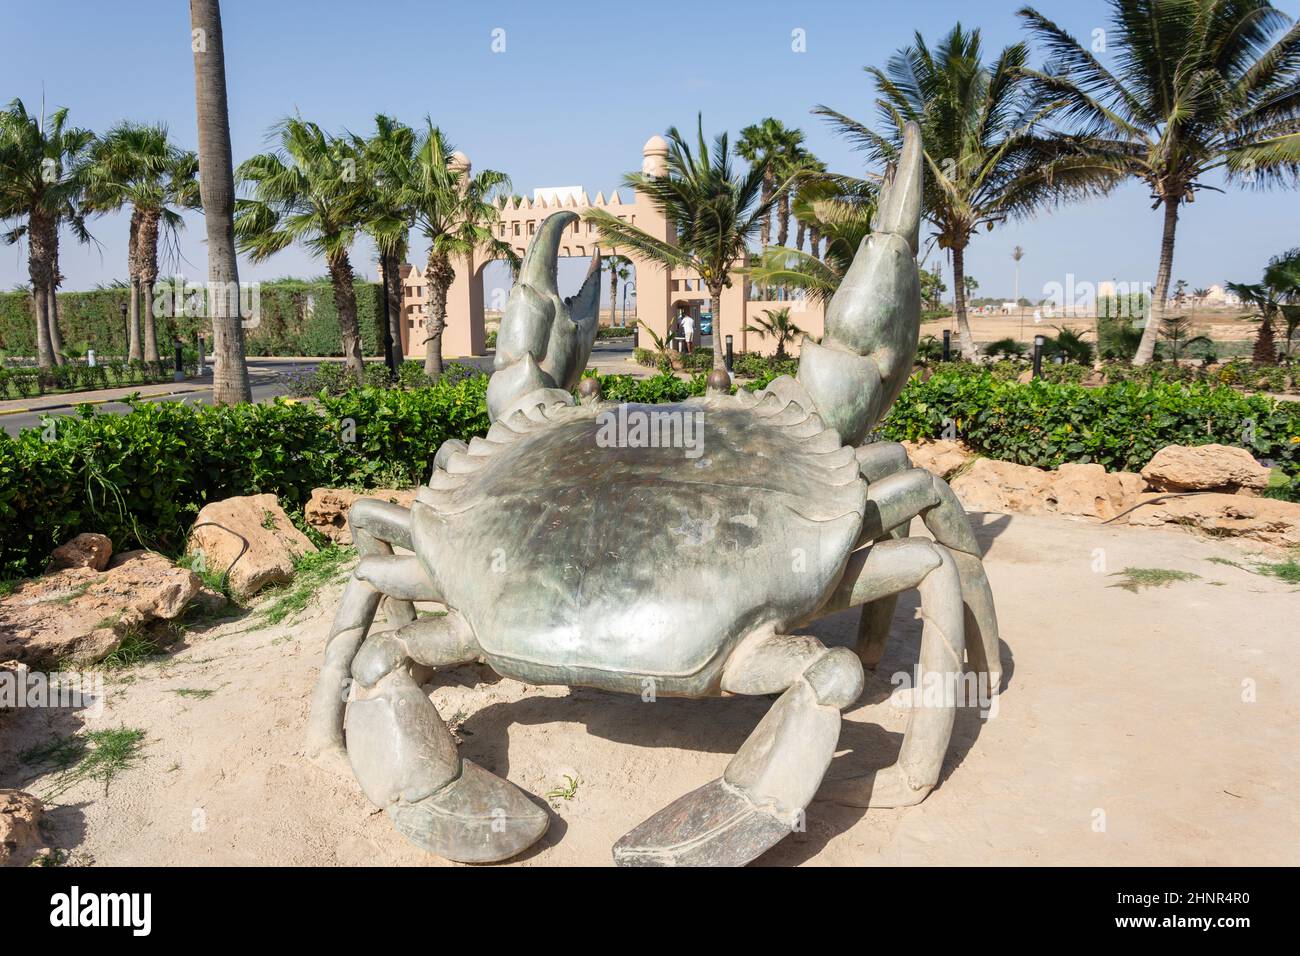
[1074, 491]
[20, 834]
[1089, 491]
[1205, 468]
[938, 456]
[82, 615]
[1217, 513]
[327, 511]
[83, 551]
[273, 544]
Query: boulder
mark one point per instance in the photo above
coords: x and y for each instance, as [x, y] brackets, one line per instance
[327, 511]
[84, 551]
[82, 615]
[1073, 491]
[1217, 513]
[20, 834]
[251, 540]
[938, 456]
[1089, 491]
[1205, 468]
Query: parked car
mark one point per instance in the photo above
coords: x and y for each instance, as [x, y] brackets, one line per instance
[706, 323]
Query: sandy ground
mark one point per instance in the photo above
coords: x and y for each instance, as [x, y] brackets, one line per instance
[1122, 736]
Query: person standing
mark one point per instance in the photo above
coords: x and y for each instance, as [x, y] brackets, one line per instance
[688, 332]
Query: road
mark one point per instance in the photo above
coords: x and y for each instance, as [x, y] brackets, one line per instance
[263, 379]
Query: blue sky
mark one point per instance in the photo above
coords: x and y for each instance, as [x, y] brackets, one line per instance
[576, 92]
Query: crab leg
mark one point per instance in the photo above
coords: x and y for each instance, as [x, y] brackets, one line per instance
[892, 503]
[376, 527]
[886, 568]
[876, 461]
[761, 796]
[406, 760]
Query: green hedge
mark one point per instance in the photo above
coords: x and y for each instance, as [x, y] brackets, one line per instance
[140, 478]
[296, 318]
[1120, 426]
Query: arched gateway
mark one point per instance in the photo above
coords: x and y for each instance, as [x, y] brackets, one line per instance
[658, 290]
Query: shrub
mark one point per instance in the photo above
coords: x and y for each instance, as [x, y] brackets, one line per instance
[1119, 426]
[141, 477]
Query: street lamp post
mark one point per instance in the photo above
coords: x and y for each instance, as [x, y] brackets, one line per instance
[1039, 342]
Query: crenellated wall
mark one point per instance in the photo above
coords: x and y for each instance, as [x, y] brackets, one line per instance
[658, 289]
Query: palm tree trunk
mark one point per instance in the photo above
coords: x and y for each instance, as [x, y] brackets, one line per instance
[52, 316]
[217, 189]
[134, 352]
[345, 303]
[964, 334]
[148, 273]
[715, 305]
[52, 301]
[799, 234]
[1147, 347]
[441, 276]
[44, 356]
[395, 319]
[783, 217]
[613, 295]
[815, 242]
[39, 271]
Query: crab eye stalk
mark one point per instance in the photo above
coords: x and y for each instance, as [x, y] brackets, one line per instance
[544, 340]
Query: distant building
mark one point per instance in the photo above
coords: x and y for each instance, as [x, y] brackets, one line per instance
[660, 293]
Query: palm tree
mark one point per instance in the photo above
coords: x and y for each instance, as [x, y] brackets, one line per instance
[40, 186]
[1197, 87]
[135, 164]
[1283, 275]
[714, 210]
[1278, 293]
[842, 219]
[619, 269]
[987, 161]
[308, 191]
[790, 163]
[455, 210]
[1177, 331]
[389, 153]
[1069, 344]
[765, 145]
[217, 189]
[777, 325]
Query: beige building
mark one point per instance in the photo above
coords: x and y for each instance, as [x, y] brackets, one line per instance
[660, 292]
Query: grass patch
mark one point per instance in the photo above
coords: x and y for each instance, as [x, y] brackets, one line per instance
[212, 580]
[1288, 571]
[69, 596]
[195, 693]
[135, 648]
[311, 572]
[9, 585]
[90, 755]
[1135, 579]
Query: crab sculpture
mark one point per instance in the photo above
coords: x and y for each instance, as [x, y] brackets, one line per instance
[562, 559]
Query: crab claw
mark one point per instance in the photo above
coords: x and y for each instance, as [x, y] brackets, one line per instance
[874, 319]
[544, 340]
